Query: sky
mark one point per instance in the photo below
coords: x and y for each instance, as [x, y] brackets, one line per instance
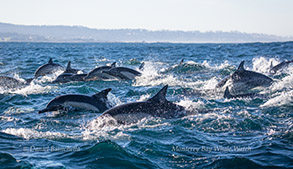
[273, 17]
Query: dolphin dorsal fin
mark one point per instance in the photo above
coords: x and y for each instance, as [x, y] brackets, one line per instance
[160, 96]
[113, 64]
[141, 66]
[68, 66]
[102, 94]
[227, 93]
[181, 62]
[50, 61]
[241, 67]
[271, 65]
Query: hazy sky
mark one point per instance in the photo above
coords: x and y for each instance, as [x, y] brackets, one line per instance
[251, 16]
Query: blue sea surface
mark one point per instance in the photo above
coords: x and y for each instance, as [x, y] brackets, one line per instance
[220, 133]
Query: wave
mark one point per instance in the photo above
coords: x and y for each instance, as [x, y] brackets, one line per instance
[107, 154]
[8, 161]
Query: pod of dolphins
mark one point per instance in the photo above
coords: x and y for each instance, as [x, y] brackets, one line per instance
[156, 106]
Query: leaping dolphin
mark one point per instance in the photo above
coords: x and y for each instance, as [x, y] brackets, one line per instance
[157, 106]
[279, 66]
[97, 102]
[122, 73]
[48, 68]
[97, 74]
[243, 79]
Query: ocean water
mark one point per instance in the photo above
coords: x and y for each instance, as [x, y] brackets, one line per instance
[221, 133]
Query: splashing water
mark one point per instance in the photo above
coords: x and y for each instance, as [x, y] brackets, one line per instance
[214, 133]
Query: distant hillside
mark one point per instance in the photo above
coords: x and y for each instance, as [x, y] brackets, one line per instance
[22, 33]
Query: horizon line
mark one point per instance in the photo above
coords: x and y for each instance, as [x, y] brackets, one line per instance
[153, 30]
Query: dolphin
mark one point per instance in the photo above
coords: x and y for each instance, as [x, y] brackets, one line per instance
[69, 77]
[122, 73]
[184, 67]
[48, 68]
[97, 74]
[69, 69]
[97, 102]
[157, 106]
[10, 82]
[244, 79]
[279, 66]
[228, 95]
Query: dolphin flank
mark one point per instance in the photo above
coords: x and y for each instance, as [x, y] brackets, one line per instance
[97, 102]
[122, 73]
[228, 95]
[157, 106]
[96, 74]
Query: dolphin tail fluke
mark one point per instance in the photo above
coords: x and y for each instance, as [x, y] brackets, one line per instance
[241, 67]
[103, 93]
[141, 66]
[227, 93]
[161, 95]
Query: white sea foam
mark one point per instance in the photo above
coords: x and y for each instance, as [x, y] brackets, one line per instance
[212, 117]
[210, 84]
[8, 119]
[285, 83]
[190, 105]
[114, 101]
[263, 65]
[17, 110]
[103, 128]
[33, 88]
[27, 133]
[49, 77]
[216, 67]
[144, 97]
[283, 98]
[151, 76]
